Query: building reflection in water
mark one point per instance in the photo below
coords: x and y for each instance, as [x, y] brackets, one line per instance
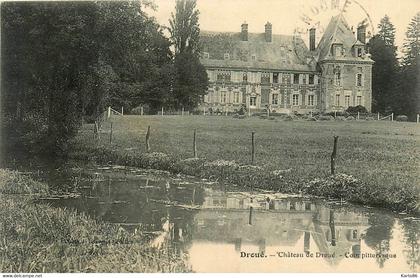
[253, 223]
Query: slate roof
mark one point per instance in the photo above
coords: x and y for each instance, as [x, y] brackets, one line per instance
[276, 55]
[338, 31]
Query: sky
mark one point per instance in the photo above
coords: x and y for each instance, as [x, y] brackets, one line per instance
[285, 15]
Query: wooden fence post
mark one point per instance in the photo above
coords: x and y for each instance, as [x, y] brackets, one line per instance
[250, 215]
[253, 148]
[110, 135]
[358, 115]
[204, 109]
[392, 117]
[334, 155]
[148, 139]
[109, 112]
[335, 114]
[249, 111]
[162, 110]
[418, 118]
[122, 110]
[141, 110]
[182, 111]
[378, 116]
[195, 144]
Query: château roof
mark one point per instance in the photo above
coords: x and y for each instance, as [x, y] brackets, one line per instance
[255, 53]
[338, 31]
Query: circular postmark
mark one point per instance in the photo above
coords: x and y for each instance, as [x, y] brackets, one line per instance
[317, 14]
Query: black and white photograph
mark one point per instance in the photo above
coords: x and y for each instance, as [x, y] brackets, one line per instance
[229, 137]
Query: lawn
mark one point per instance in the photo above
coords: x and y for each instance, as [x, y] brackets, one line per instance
[378, 153]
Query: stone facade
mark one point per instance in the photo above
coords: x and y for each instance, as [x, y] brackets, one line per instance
[278, 72]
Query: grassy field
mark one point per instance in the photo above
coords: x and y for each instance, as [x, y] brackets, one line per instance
[377, 153]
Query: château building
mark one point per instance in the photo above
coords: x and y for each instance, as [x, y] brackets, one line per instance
[279, 72]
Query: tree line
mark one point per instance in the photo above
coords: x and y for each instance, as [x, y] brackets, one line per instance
[396, 82]
[64, 62]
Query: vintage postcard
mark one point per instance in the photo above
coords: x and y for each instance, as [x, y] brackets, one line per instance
[210, 136]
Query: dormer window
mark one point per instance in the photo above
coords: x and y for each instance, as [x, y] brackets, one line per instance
[337, 50]
[206, 55]
[359, 52]
[226, 56]
[253, 57]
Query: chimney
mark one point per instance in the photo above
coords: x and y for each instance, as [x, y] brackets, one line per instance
[312, 39]
[361, 33]
[244, 31]
[268, 32]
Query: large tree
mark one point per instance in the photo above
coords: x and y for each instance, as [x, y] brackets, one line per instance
[410, 82]
[65, 60]
[387, 31]
[184, 27]
[385, 70]
[190, 80]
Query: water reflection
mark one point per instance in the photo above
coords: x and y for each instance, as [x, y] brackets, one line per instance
[215, 225]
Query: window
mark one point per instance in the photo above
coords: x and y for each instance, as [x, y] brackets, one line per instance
[311, 99]
[265, 77]
[337, 100]
[223, 97]
[226, 56]
[252, 101]
[359, 52]
[296, 78]
[307, 206]
[295, 100]
[274, 99]
[354, 234]
[206, 55]
[236, 97]
[304, 79]
[311, 79]
[245, 77]
[359, 80]
[253, 57]
[276, 77]
[223, 76]
[359, 77]
[347, 101]
[338, 50]
[359, 100]
[337, 77]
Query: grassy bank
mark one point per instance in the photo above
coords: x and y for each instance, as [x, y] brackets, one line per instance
[39, 238]
[379, 159]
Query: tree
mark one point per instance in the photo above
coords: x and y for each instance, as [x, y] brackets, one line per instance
[64, 61]
[385, 69]
[384, 75]
[409, 86]
[412, 42]
[184, 27]
[190, 80]
[387, 31]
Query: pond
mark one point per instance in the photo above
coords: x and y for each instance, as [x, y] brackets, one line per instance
[226, 228]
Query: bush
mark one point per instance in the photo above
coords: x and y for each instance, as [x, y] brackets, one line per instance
[356, 109]
[312, 119]
[402, 118]
[325, 118]
[335, 186]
